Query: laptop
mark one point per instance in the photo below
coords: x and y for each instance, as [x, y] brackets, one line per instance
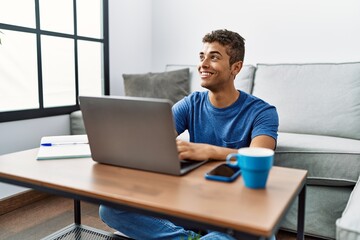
[133, 132]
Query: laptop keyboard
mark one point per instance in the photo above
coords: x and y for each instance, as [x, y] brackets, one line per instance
[186, 163]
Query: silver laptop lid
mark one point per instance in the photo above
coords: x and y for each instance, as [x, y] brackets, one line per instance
[131, 132]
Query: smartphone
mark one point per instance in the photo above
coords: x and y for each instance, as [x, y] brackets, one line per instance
[224, 173]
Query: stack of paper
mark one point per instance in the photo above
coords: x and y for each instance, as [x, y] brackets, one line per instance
[58, 147]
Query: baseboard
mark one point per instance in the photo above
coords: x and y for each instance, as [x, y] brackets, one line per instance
[21, 199]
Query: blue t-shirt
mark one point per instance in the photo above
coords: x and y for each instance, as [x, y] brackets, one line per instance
[231, 127]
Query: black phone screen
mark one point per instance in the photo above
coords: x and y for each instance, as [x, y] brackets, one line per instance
[224, 170]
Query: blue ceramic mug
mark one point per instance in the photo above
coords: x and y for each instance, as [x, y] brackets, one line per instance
[255, 164]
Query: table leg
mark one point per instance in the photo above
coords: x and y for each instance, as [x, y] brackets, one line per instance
[301, 214]
[77, 212]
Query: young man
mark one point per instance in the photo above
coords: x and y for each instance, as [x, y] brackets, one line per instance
[219, 121]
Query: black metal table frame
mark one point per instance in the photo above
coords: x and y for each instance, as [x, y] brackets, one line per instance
[181, 221]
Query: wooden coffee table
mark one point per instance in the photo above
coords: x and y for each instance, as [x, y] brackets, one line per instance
[189, 200]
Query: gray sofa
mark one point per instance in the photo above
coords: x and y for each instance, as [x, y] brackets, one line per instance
[319, 111]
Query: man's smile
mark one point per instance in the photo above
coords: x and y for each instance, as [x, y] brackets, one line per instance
[205, 74]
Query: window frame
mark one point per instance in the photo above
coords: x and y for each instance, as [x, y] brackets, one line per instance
[55, 111]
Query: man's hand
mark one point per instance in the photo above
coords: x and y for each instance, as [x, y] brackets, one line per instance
[202, 151]
[193, 151]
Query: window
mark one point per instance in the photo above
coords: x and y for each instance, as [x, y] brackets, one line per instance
[51, 52]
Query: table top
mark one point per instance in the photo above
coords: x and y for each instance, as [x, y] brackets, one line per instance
[230, 205]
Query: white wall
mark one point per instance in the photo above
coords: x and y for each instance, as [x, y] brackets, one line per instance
[26, 134]
[276, 31]
[130, 40]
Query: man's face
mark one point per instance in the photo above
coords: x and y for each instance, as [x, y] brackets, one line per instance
[214, 67]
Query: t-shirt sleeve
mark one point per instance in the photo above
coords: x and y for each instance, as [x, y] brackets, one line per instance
[181, 111]
[266, 123]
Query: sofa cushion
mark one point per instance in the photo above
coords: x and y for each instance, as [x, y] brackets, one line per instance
[243, 81]
[321, 99]
[172, 85]
[330, 161]
[348, 226]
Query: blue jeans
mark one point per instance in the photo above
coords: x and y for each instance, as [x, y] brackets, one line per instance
[140, 226]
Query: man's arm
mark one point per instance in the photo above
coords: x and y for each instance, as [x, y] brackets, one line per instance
[200, 151]
[263, 141]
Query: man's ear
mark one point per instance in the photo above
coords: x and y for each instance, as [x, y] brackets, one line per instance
[236, 67]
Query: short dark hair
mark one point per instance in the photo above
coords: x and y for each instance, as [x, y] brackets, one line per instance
[232, 41]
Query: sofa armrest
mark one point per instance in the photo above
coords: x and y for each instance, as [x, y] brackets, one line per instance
[76, 123]
[348, 226]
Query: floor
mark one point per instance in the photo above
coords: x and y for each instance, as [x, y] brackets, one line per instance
[48, 215]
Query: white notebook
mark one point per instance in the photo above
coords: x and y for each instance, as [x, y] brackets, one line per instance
[59, 147]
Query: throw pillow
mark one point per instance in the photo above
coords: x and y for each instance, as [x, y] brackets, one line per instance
[172, 85]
